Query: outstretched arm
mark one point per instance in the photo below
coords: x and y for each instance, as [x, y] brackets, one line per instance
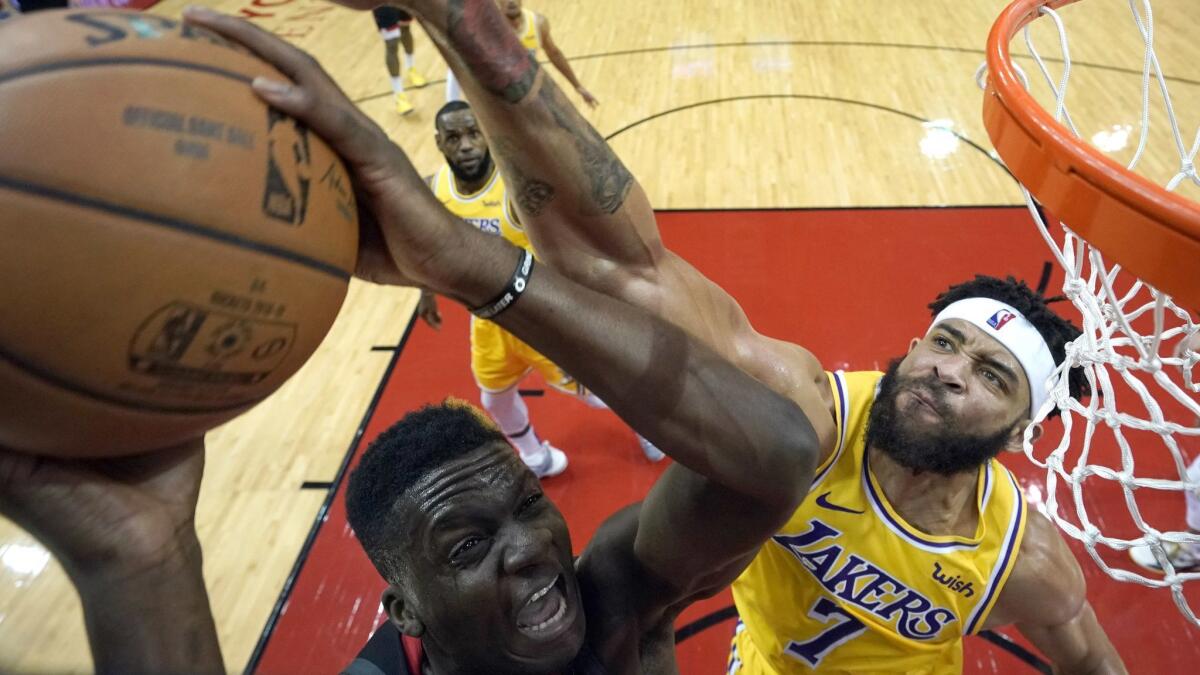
[123, 531]
[560, 61]
[1046, 598]
[582, 203]
[745, 454]
[585, 212]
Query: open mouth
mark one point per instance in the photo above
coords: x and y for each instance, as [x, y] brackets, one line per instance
[545, 610]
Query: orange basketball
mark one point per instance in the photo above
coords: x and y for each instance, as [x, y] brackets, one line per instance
[171, 249]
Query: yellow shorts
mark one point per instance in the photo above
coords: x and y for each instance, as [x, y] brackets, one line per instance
[499, 360]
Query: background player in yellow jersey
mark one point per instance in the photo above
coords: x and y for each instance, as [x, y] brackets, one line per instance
[961, 394]
[470, 187]
[395, 27]
[533, 30]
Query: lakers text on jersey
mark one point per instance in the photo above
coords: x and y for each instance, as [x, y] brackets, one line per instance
[847, 586]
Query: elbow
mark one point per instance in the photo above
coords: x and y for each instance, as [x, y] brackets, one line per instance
[796, 455]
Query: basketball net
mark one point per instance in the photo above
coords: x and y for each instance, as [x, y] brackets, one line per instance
[1145, 392]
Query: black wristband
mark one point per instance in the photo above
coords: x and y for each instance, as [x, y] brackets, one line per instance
[514, 289]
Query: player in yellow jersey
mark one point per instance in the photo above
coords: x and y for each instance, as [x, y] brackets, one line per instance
[533, 30]
[913, 536]
[395, 27]
[912, 532]
[470, 187]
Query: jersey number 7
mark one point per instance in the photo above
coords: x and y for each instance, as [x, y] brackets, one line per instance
[844, 627]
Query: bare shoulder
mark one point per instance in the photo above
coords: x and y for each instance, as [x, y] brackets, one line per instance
[625, 629]
[1047, 586]
[607, 560]
[608, 571]
[796, 373]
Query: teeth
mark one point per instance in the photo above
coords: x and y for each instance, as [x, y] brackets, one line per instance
[542, 593]
[562, 609]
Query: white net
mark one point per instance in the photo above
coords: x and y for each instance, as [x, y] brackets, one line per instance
[1129, 442]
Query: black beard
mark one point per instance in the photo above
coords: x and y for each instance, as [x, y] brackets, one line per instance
[951, 451]
[481, 171]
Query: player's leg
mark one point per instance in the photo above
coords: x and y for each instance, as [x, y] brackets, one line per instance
[1183, 557]
[1192, 500]
[411, 76]
[391, 49]
[558, 379]
[391, 54]
[512, 416]
[497, 370]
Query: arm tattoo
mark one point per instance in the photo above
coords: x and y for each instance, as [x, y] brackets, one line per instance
[530, 194]
[490, 49]
[609, 180]
[533, 196]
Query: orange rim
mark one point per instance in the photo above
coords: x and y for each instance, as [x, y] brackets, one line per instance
[1152, 233]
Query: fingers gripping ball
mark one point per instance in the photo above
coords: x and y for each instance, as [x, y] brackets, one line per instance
[173, 249]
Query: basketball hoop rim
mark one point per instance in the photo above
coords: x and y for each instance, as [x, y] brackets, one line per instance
[1127, 217]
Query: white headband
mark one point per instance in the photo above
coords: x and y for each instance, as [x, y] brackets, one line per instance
[1011, 329]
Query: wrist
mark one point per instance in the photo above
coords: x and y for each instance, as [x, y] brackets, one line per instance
[152, 615]
[472, 268]
[511, 292]
[137, 571]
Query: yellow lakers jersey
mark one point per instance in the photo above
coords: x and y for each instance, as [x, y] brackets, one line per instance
[528, 33]
[847, 586]
[487, 209]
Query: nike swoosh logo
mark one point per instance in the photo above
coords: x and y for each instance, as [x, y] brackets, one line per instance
[823, 502]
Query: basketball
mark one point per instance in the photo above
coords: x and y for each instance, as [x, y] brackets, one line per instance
[172, 248]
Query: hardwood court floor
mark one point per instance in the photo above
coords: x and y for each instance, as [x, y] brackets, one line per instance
[742, 104]
[332, 607]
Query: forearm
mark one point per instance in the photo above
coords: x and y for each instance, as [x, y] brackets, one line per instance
[1106, 662]
[1095, 655]
[151, 620]
[706, 413]
[571, 189]
[564, 66]
[1075, 647]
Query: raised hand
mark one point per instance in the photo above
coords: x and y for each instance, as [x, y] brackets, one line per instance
[130, 511]
[587, 96]
[427, 309]
[124, 531]
[403, 226]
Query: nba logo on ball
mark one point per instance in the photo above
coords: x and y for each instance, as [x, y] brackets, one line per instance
[288, 169]
[1000, 318]
[207, 261]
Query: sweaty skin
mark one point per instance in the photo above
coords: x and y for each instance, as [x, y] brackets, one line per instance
[588, 217]
[744, 455]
